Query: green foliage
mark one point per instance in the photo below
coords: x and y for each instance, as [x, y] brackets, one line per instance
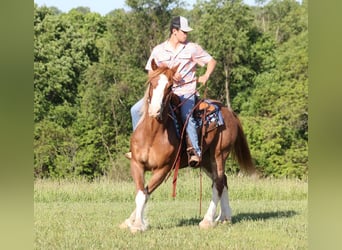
[223, 31]
[89, 71]
[275, 148]
[64, 49]
[277, 122]
[284, 18]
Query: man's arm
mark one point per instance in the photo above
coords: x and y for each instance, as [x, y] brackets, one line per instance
[210, 68]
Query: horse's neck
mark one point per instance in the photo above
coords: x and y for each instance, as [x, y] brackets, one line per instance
[153, 133]
[152, 125]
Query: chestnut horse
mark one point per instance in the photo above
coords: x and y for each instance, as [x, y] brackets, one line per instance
[154, 146]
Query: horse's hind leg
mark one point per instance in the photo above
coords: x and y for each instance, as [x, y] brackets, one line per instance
[219, 192]
[226, 212]
[208, 220]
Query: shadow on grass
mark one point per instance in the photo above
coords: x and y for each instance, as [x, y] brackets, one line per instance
[189, 221]
[242, 217]
[262, 216]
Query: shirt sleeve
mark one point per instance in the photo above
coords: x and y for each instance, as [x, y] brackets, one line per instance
[148, 65]
[201, 56]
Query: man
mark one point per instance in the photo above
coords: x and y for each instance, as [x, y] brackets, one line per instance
[177, 50]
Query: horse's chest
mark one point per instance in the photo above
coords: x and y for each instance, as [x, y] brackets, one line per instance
[153, 150]
[155, 155]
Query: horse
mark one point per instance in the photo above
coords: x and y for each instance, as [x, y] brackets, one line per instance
[154, 145]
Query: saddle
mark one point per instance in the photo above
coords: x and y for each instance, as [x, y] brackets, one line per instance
[205, 106]
[207, 114]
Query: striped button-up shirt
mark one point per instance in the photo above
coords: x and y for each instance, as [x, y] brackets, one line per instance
[188, 55]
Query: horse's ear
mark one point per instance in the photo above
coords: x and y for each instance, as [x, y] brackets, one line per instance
[154, 65]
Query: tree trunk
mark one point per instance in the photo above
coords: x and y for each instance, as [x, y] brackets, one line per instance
[227, 73]
[277, 34]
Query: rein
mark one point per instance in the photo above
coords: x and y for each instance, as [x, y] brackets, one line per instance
[177, 160]
[176, 163]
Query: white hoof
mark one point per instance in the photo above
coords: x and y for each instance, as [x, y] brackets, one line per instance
[138, 228]
[206, 224]
[224, 220]
[126, 224]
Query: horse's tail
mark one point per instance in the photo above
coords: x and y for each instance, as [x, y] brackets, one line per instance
[241, 152]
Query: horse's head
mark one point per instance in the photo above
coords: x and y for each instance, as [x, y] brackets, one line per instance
[160, 89]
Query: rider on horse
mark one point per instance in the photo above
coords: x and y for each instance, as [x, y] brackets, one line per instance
[178, 51]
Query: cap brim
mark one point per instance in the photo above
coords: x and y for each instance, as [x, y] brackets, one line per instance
[187, 29]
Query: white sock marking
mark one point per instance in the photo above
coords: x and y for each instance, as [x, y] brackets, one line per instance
[212, 206]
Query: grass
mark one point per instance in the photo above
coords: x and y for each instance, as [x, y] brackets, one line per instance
[267, 214]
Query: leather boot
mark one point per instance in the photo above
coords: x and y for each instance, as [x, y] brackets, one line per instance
[193, 158]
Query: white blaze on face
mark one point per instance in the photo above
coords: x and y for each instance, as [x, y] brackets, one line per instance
[157, 97]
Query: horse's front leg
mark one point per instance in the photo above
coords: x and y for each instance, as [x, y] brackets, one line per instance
[128, 222]
[139, 223]
[142, 196]
[158, 176]
[136, 220]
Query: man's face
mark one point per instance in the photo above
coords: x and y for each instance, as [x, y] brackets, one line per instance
[181, 35]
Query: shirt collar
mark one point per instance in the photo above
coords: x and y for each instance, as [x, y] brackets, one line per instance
[168, 47]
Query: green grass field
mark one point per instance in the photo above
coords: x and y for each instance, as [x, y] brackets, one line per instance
[267, 214]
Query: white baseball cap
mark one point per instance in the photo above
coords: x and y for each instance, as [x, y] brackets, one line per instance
[181, 23]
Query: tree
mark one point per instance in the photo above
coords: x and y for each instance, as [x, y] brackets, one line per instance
[223, 28]
[64, 46]
[276, 118]
[285, 18]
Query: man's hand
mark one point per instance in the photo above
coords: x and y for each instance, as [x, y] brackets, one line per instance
[203, 79]
[177, 77]
[210, 68]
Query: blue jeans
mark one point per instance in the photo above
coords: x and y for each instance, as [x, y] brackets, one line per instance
[185, 110]
[136, 112]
